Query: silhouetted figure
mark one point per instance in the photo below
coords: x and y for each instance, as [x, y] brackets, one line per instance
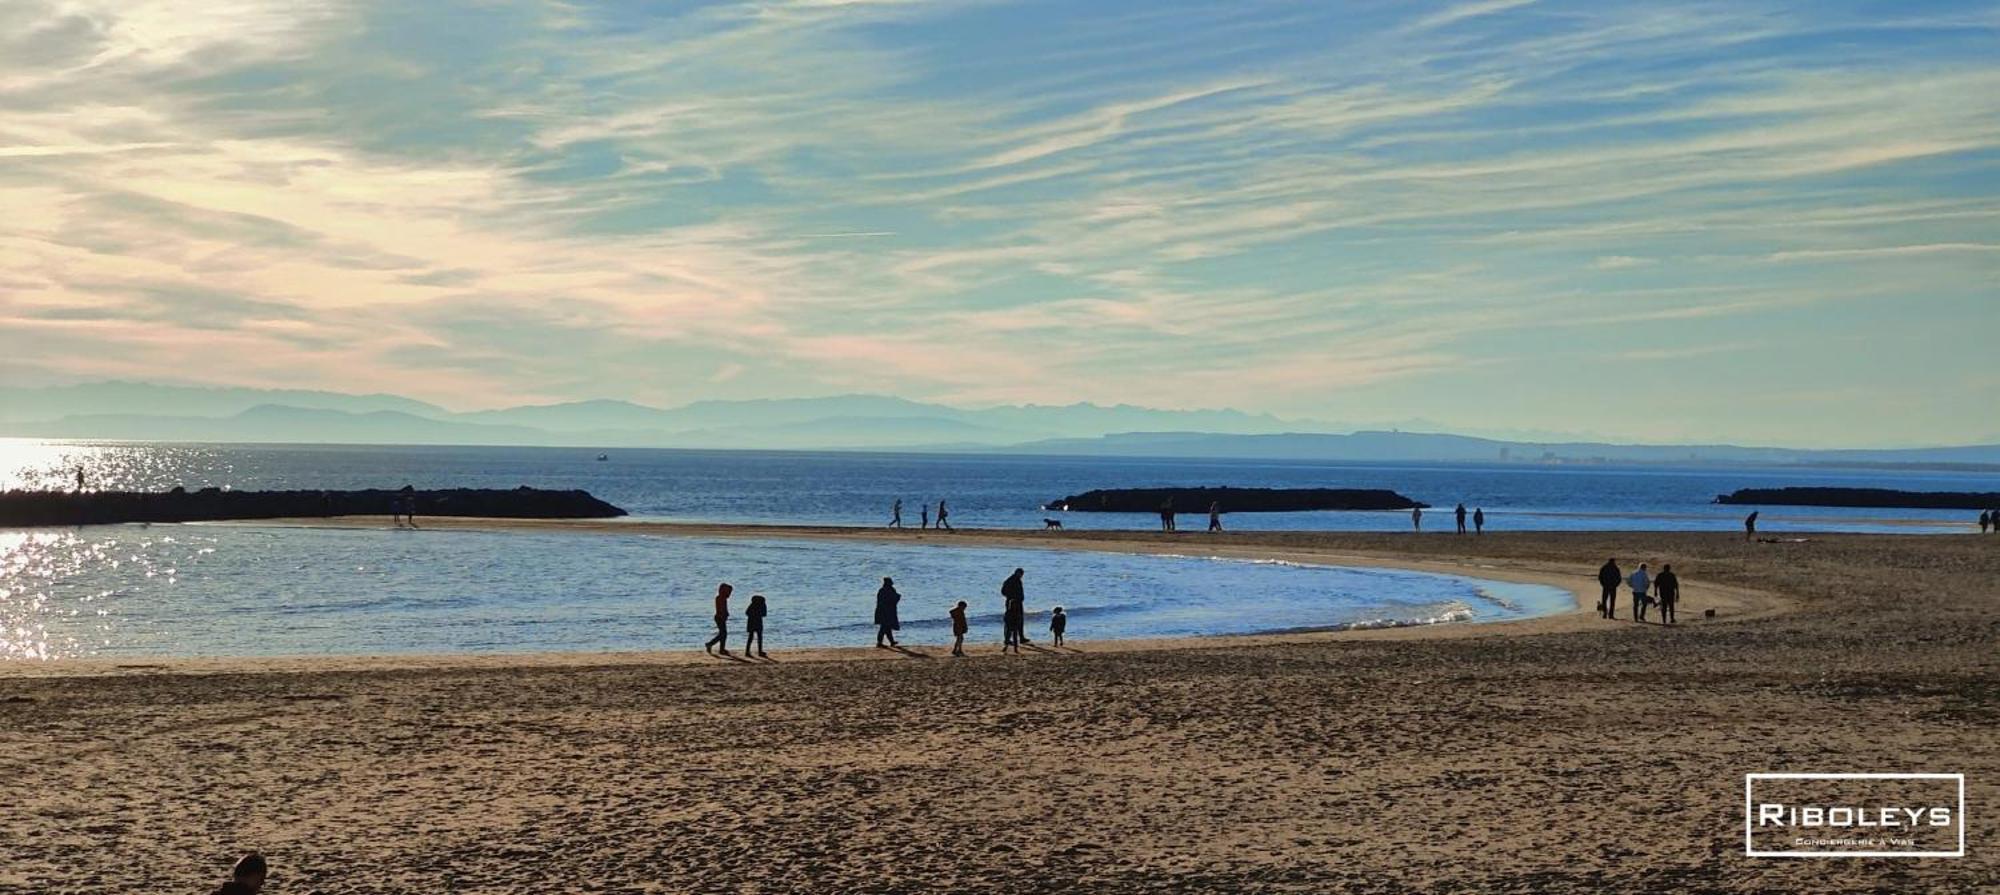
[1014, 618]
[958, 629]
[924, 521]
[1479, 521]
[1985, 518]
[1417, 518]
[753, 625]
[1167, 515]
[1215, 516]
[887, 623]
[406, 505]
[896, 514]
[1668, 589]
[1608, 577]
[79, 487]
[944, 515]
[1750, 525]
[1058, 622]
[1460, 513]
[1640, 582]
[247, 877]
[721, 638]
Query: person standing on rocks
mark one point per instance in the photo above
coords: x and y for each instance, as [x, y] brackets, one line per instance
[1608, 577]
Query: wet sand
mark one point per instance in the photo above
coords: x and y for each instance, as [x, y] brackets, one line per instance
[1563, 753]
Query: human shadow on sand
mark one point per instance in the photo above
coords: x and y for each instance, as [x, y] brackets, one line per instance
[905, 651]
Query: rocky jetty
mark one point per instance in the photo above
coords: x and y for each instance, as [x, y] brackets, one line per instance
[1233, 500]
[1863, 497]
[26, 508]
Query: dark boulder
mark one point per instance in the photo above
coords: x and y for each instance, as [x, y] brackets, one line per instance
[1233, 500]
[1863, 497]
[25, 508]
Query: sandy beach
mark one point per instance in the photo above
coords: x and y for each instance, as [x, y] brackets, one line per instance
[1556, 754]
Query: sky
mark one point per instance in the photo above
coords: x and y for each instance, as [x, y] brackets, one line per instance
[1742, 221]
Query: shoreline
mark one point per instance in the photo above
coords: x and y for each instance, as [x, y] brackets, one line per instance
[1732, 604]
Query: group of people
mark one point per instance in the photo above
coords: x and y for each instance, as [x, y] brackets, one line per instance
[943, 516]
[1989, 520]
[1478, 519]
[1168, 515]
[1648, 591]
[888, 619]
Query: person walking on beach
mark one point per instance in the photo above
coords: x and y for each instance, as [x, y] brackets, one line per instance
[1479, 521]
[958, 629]
[1014, 618]
[886, 621]
[896, 514]
[1058, 622]
[721, 638]
[1640, 583]
[753, 625]
[1667, 588]
[924, 521]
[1750, 525]
[1417, 518]
[944, 513]
[1608, 577]
[1460, 513]
[1215, 516]
[247, 877]
[405, 506]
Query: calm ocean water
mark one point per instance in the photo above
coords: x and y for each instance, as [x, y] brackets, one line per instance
[265, 590]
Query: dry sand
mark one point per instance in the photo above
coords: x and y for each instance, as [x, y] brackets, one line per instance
[1558, 754]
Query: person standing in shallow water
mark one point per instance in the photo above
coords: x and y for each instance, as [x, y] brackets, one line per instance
[753, 625]
[721, 638]
[1460, 513]
[1479, 521]
[1608, 577]
[1750, 525]
[1014, 618]
[1668, 588]
[958, 629]
[887, 623]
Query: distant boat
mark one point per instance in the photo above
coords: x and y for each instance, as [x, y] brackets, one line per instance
[603, 457]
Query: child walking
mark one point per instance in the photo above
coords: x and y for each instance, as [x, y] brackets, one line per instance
[753, 625]
[958, 629]
[1057, 622]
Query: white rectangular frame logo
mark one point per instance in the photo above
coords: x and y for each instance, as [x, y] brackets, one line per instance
[1750, 849]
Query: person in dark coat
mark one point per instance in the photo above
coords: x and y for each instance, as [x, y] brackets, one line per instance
[1667, 588]
[886, 622]
[247, 877]
[1215, 516]
[1015, 617]
[1058, 623]
[721, 638]
[1460, 514]
[1608, 576]
[753, 625]
[1750, 525]
[1479, 521]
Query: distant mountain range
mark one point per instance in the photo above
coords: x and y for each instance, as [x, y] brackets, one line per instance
[139, 411]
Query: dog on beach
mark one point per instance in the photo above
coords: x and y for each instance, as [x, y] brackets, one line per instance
[1051, 524]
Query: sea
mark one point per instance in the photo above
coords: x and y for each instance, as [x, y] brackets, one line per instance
[248, 589]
